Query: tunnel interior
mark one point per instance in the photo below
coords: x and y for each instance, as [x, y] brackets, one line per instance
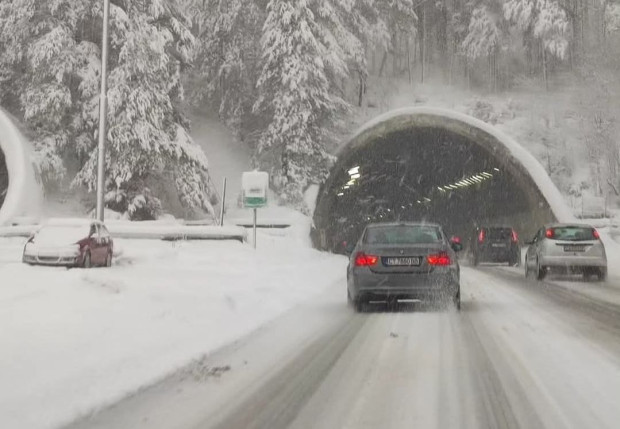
[4, 178]
[429, 174]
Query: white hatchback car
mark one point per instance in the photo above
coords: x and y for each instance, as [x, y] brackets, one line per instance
[566, 248]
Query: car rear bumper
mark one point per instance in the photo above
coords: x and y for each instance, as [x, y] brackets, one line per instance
[566, 261]
[497, 254]
[436, 285]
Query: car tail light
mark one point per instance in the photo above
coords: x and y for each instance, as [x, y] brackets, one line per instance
[364, 260]
[481, 236]
[549, 233]
[595, 234]
[439, 259]
[513, 236]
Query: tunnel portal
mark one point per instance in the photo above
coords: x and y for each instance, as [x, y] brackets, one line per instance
[436, 166]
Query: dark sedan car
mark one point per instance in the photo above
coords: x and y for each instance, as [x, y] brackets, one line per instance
[70, 243]
[496, 244]
[403, 261]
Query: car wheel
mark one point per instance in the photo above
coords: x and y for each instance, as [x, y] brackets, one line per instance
[457, 301]
[527, 269]
[108, 260]
[359, 305]
[540, 271]
[87, 262]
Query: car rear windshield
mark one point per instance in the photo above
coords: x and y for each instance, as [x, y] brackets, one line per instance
[498, 233]
[572, 233]
[403, 234]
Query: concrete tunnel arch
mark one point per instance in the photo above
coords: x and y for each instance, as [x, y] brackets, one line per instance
[20, 182]
[443, 132]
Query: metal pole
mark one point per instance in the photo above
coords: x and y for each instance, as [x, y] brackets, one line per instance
[223, 203]
[254, 241]
[103, 98]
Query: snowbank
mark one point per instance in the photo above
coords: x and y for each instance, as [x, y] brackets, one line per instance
[24, 194]
[75, 340]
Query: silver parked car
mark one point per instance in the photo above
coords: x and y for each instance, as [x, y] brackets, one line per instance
[398, 261]
[566, 248]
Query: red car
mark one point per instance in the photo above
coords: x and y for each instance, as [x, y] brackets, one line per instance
[70, 243]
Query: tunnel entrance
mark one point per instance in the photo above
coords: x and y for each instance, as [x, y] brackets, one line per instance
[4, 178]
[422, 166]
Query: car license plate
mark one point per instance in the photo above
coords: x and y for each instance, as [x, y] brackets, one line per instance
[498, 245]
[574, 248]
[395, 262]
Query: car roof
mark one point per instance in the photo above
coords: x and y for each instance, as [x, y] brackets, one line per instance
[377, 224]
[494, 226]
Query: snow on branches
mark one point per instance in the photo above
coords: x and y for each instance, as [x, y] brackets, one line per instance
[50, 56]
[545, 19]
[294, 94]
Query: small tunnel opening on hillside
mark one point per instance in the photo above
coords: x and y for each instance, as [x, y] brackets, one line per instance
[4, 178]
[426, 173]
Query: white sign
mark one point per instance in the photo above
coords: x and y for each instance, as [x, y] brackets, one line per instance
[254, 185]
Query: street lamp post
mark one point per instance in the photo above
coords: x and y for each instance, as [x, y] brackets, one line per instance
[103, 98]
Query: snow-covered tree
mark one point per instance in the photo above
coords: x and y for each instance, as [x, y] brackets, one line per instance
[612, 18]
[483, 35]
[294, 94]
[227, 62]
[545, 20]
[52, 60]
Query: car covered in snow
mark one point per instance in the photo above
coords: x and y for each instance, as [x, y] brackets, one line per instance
[404, 261]
[566, 248]
[70, 243]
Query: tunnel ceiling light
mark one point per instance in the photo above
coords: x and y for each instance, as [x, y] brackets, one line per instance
[484, 173]
[354, 170]
[340, 194]
[419, 202]
[351, 182]
[356, 176]
[346, 186]
[427, 199]
[402, 207]
[495, 168]
[441, 189]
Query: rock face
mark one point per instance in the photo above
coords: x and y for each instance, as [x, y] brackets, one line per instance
[21, 192]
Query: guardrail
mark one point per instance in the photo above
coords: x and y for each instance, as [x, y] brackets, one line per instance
[150, 232]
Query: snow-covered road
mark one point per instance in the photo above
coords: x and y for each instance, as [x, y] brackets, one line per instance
[520, 354]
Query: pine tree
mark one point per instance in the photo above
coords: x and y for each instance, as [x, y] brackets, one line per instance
[483, 36]
[51, 56]
[294, 94]
[227, 62]
[544, 20]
